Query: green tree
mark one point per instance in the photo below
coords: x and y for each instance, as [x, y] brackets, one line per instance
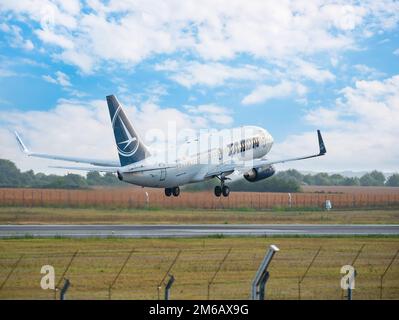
[336, 180]
[351, 181]
[374, 178]
[321, 179]
[70, 181]
[10, 175]
[94, 178]
[110, 179]
[393, 181]
[378, 177]
[272, 184]
[290, 174]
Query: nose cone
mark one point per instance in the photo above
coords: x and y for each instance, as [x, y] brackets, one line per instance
[267, 135]
[270, 138]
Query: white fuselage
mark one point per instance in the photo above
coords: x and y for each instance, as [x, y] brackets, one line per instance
[196, 158]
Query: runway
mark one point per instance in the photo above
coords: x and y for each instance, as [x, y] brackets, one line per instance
[198, 230]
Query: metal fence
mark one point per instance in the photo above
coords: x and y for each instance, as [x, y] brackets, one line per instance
[200, 273]
[142, 198]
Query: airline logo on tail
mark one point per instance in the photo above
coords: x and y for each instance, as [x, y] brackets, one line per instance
[129, 146]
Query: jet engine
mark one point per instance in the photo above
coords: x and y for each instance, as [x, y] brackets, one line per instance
[256, 174]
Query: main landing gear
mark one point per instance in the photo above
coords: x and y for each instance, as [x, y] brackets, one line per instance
[175, 191]
[222, 189]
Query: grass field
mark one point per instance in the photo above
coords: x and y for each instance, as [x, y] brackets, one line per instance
[21, 215]
[99, 260]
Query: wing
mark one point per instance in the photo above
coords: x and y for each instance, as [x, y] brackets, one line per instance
[141, 168]
[93, 168]
[228, 168]
[95, 162]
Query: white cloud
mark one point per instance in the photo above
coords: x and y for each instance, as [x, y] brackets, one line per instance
[16, 38]
[396, 52]
[367, 72]
[60, 78]
[83, 61]
[216, 114]
[83, 129]
[50, 37]
[4, 73]
[211, 74]
[71, 6]
[63, 80]
[343, 16]
[266, 92]
[307, 70]
[360, 130]
[95, 33]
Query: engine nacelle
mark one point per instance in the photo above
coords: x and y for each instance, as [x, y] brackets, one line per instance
[256, 174]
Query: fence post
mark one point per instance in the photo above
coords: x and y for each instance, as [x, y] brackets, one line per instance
[64, 273]
[262, 275]
[168, 286]
[349, 296]
[64, 289]
[166, 274]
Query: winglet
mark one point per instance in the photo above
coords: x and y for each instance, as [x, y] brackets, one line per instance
[322, 147]
[24, 149]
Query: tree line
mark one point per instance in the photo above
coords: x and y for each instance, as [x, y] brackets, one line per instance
[283, 181]
[292, 180]
[11, 176]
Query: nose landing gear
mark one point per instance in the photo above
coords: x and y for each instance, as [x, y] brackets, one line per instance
[175, 191]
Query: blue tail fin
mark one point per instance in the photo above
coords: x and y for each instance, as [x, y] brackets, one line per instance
[130, 148]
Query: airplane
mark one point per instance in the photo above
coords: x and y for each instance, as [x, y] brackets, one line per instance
[239, 150]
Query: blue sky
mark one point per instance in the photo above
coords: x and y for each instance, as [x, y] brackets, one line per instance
[290, 67]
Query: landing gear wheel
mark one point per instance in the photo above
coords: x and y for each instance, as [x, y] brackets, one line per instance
[168, 192]
[176, 191]
[218, 191]
[225, 191]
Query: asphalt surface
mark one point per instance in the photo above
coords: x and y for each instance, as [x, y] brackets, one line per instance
[199, 230]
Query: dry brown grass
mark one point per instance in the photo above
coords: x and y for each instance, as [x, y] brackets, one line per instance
[19, 215]
[98, 261]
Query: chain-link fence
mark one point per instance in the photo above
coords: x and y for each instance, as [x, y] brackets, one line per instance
[301, 270]
[144, 198]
